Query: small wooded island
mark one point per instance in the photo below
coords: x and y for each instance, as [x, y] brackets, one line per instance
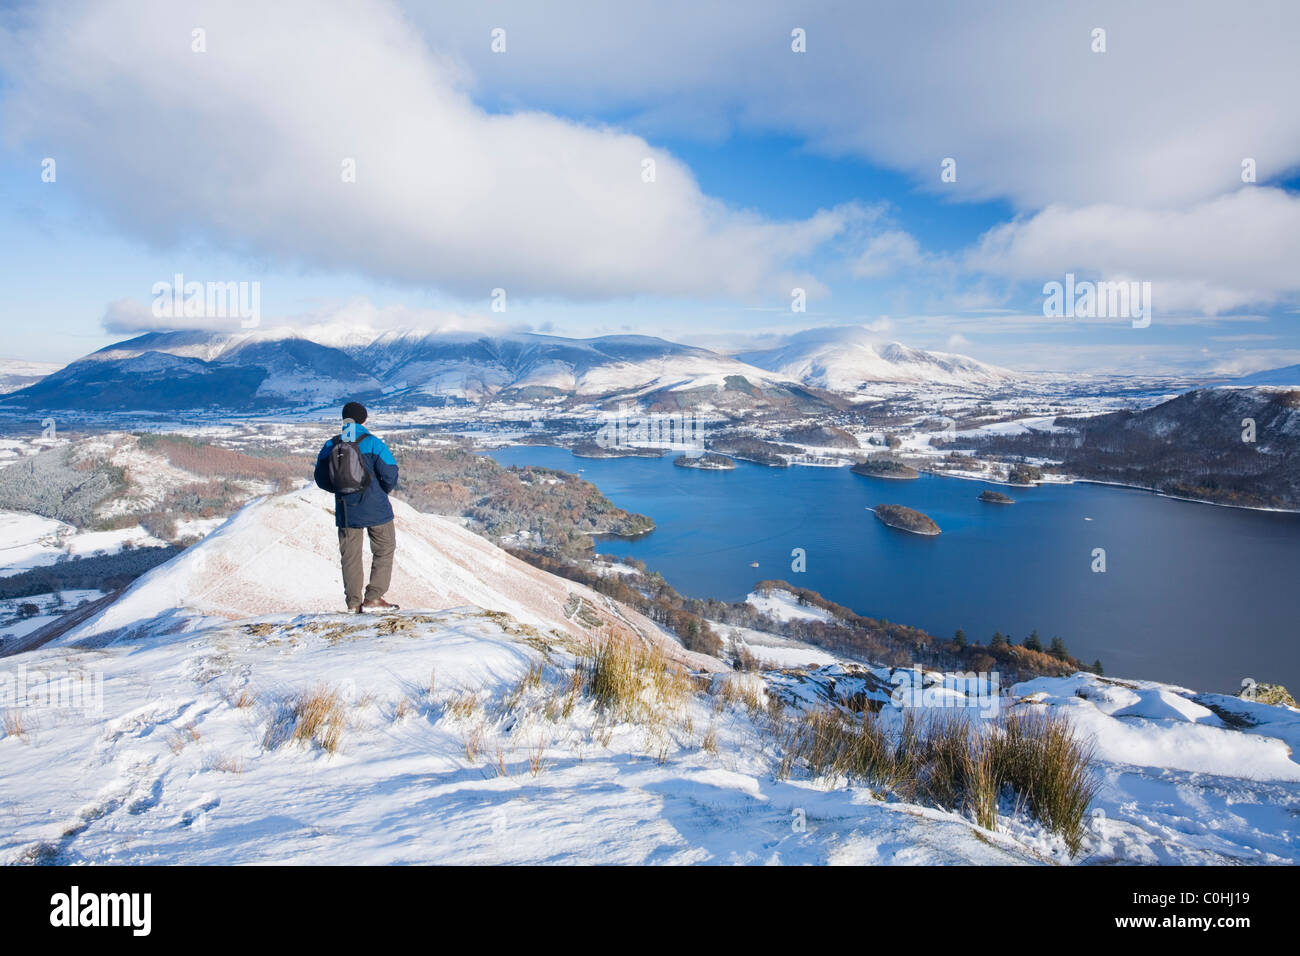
[590, 449]
[996, 498]
[706, 462]
[884, 467]
[906, 519]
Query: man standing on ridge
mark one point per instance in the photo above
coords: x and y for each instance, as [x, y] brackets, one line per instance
[360, 471]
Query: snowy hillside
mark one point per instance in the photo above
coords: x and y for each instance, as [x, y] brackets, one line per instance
[279, 555]
[230, 715]
[843, 358]
[1288, 376]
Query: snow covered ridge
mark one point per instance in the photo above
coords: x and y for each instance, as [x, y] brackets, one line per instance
[842, 359]
[278, 367]
[279, 555]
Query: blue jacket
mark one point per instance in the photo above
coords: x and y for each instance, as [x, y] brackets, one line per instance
[363, 509]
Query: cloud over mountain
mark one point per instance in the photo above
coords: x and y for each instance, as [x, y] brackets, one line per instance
[247, 146]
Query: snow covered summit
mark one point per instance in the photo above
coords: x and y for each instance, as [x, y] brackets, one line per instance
[279, 555]
[844, 358]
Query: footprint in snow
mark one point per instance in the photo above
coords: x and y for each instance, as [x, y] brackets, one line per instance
[196, 816]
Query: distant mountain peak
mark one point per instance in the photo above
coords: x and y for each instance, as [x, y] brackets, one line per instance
[844, 358]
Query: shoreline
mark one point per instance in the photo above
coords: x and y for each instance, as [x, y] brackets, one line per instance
[1074, 480]
[1067, 480]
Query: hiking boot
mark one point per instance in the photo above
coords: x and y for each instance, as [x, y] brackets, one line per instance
[372, 604]
[354, 608]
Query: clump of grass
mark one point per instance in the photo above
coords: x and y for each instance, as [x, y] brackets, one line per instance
[315, 716]
[1042, 760]
[961, 763]
[320, 718]
[955, 762]
[43, 853]
[563, 698]
[179, 737]
[710, 742]
[245, 698]
[531, 680]
[742, 688]
[833, 744]
[225, 764]
[474, 743]
[631, 682]
[461, 705]
[537, 762]
[14, 724]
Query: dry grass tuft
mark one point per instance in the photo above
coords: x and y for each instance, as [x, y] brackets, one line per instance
[631, 682]
[462, 705]
[320, 718]
[179, 737]
[15, 724]
[954, 761]
[245, 698]
[710, 742]
[225, 764]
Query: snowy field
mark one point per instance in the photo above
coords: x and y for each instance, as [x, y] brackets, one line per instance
[447, 754]
[455, 734]
[30, 541]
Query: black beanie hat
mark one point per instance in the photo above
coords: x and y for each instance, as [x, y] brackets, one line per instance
[355, 411]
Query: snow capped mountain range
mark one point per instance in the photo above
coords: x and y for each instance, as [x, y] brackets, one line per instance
[278, 367]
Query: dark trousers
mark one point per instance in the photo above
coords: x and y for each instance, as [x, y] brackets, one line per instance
[383, 545]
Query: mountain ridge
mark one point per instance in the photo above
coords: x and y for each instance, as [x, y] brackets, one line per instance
[286, 366]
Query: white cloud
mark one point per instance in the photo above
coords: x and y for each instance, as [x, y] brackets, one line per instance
[131, 317]
[243, 146]
[1223, 254]
[1186, 90]
[887, 253]
[359, 314]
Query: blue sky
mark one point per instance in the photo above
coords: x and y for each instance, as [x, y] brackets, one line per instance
[776, 169]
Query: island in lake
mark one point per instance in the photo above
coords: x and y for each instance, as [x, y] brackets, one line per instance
[706, 462]
[883, 466]
[906, 519]
[996, 498]
[590, 449]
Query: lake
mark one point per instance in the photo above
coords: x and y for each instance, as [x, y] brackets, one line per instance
[1192, 594]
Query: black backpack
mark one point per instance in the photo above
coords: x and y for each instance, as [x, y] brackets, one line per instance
[348, 471]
